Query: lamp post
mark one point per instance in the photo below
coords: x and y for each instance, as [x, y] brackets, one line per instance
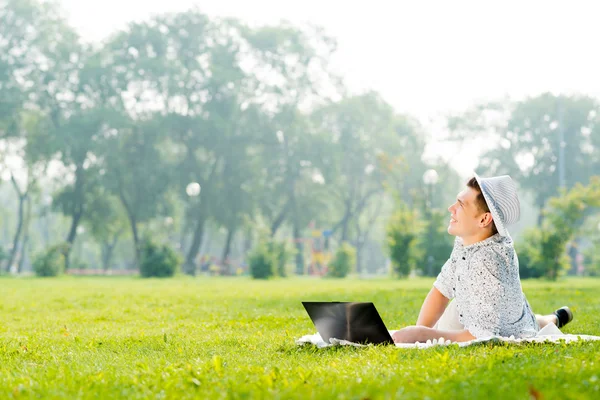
[192, 190]
[430, 178]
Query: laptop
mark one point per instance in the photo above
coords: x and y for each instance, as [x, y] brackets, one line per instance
[354, 322]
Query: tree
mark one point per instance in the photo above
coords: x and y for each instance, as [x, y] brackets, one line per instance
[137, 176]
[59, 88]
[292, 71]
[404, 229]
[544, 251]
[435, 243]
[534, 138]
[25, 170]
[107, 222]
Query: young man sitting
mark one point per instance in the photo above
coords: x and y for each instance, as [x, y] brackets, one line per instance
[482, 274]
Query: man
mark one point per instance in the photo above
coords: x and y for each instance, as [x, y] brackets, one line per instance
[482, 274]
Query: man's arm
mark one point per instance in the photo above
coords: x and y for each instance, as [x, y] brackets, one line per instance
[432, 309]
[413, 334]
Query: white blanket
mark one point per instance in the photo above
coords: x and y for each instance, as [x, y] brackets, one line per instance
[550, 333]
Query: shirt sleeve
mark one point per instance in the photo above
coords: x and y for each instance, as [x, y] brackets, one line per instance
[446, 279]
[487, 294]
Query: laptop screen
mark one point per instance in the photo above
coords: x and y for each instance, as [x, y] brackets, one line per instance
[352, 321]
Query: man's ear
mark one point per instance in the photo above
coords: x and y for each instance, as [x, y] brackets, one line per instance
[486, 219]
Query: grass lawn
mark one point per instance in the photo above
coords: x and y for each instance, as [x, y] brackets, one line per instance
[234, 338]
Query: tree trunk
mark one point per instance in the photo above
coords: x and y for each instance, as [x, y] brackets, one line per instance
[17, 236]
[77, 213]
[345, 221]
[136, 239]
[299, 250]
[359, 244]
[107, 251]
[25, 236]
[248, 239]
[133, 223]
[206, 240]
[278, 221]
[190, 265]
[363, 235]
[296, 233]
[226, 250]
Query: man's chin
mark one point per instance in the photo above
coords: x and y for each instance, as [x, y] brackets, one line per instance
[451, 230]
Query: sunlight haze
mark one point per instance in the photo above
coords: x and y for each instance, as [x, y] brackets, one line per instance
[426, 58]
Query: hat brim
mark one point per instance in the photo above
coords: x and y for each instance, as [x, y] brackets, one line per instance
[495, 214]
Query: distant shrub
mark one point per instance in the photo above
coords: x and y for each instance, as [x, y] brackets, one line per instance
[269, 258]
[282, 253]
[541, 254]
[403, 230]
[159, 261]
[52, 261]
[343, 262]
[262, 261]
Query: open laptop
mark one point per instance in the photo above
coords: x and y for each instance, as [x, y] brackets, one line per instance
[355, 322]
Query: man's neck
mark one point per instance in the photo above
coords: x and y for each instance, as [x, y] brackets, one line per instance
[469, 240]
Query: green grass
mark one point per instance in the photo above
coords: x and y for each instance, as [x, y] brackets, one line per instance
[234, 338]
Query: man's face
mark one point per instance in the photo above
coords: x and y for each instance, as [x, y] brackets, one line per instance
[465, 215]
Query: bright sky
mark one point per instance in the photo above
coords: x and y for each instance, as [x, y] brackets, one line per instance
[426, 58]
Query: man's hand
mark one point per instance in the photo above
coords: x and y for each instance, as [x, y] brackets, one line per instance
[413, 334]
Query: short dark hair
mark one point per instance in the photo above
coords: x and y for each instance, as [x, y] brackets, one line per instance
[481, 204]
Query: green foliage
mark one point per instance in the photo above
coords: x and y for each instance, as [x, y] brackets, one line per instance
[269, 257]
[158, 261]
[531, 128]
[52, 261]
[591, 254]
[282, 254]
[262, 261]
[343, 262]
[543, 251]
[434, 243]
[592, 259]
[403, 230]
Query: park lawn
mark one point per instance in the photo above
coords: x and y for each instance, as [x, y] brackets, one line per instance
[235, 338]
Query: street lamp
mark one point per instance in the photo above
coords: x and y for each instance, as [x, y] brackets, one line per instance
[193, 189]
[430, 178]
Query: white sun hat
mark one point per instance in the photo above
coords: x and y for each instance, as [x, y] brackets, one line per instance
[500, 194]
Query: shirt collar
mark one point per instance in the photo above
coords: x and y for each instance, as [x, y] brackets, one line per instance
[494, 239]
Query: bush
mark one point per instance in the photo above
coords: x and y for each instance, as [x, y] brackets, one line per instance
[262, 261]
[52, 261]
[434, 243]
[282, 253]
[269, 258]
[541, 253]
[403, 231]
[158, 261]
[592, 259]
[344, 260]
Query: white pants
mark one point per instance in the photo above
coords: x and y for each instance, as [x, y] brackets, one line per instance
[449, 319]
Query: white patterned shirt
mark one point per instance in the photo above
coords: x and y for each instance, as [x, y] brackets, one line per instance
[483, 279]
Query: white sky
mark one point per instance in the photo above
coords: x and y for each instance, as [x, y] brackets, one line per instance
[426, 58]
